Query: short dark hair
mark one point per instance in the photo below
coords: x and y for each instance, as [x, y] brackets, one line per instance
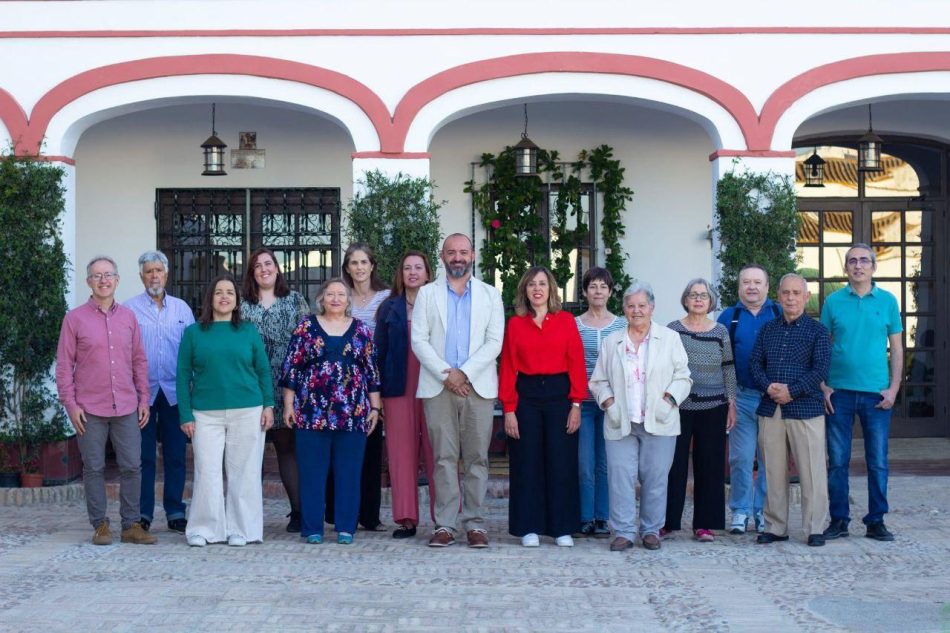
[250, 290]
[207, 303]
[375, 283]
[597, 274]
[753, 267]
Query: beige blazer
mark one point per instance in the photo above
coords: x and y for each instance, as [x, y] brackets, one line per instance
[667, 372]
[428, 338]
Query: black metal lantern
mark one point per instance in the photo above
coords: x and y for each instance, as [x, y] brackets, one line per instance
[526, 152]
[815, 170]
[214, 152]
[869, 149]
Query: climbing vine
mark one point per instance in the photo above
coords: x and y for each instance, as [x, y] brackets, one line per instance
[509, 207]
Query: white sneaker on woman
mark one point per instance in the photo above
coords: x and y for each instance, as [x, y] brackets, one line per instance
[530, 540]
[237, 541]
[565, 541]
[197, 541]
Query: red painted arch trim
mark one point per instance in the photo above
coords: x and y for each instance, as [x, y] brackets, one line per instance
[797, 87]
[12, 115]
[438, 32]
[745, 153]
[267, 67]
[736, 103]
[400, 155]
[47, 159]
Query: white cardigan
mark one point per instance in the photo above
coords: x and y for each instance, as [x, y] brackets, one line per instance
[667, 372]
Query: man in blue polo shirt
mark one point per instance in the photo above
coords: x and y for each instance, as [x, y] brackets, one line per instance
[744, 320]
[863, 320]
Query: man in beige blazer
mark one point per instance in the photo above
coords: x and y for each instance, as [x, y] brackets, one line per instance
[457, 328]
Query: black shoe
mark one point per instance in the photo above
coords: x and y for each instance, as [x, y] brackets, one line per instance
[816, 540]
[767, 537]
[586, 530]
[838, 528]
[177, 525]
[404, 531]
[600, 529]
[878, 532]
[293, 525]
[145, 523]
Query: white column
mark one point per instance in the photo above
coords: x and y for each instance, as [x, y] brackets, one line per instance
[412, 167]
[778, 165]
[74, 269]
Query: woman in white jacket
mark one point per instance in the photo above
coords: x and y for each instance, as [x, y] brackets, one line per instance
[640, 377]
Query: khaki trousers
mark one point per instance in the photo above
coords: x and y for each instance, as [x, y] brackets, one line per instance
[806, 439]
[459, 428]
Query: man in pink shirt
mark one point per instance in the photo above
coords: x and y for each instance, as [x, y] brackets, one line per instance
[102, 380]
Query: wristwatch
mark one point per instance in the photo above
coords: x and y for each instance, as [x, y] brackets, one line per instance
[576, 405]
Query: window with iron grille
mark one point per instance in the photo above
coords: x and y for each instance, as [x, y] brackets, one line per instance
[206, 232]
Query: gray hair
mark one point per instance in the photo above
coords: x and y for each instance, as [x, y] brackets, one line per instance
[149, 257]
[322, 290]
[792, 276]
[101, 258]
[639, 286]
[863, 246]
[713, 297]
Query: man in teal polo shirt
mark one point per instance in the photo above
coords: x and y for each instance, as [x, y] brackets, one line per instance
[863, 319]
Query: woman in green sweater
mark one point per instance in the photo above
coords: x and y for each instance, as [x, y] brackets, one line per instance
[226, 403]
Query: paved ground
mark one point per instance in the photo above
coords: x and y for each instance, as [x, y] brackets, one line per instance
[53, 579]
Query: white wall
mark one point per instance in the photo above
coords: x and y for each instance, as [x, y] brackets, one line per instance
[667, 167]
[120, 163]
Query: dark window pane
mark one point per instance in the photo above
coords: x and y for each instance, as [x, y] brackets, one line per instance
[920, 296]
[919, 331]
[919, 401]
[920, 366]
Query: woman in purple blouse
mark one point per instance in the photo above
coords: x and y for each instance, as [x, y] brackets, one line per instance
[331, 396]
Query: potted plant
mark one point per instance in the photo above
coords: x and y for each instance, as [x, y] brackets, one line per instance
[9, 464]
[32, 300]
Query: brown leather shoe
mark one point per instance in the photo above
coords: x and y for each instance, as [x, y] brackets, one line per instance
[477, 538]
[619, 544]
[135, 534]
[651, 541]
[442, 538]
[103, 535]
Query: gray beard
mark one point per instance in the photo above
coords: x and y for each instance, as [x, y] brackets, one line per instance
[154, 292]
[458, 275]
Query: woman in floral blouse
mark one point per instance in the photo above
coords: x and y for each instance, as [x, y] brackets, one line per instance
[331, 397]
[275, 309]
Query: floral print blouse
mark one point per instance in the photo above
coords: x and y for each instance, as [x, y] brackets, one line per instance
[276, 324]
[331, 376]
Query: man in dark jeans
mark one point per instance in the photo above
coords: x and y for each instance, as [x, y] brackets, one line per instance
[863, 319]
[162, 320]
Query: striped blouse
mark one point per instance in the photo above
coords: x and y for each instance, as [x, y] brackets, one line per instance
[591, 337]
[710, 366]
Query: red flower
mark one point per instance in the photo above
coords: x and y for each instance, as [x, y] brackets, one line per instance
[496, 223]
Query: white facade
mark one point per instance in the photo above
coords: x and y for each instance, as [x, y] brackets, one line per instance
[120, 92]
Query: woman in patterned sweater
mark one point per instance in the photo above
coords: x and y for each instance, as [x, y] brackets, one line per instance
[707, 415]
[275, 309]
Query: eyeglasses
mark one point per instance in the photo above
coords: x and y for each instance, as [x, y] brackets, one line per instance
[864, 261]
[698, 295]
[103, 276]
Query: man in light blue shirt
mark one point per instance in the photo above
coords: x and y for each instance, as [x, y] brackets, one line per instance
[162, 320]
[864, 320]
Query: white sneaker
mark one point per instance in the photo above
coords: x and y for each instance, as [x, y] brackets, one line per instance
[237, 541]
[530, 540]
[760, 523]
[738, 524]
[565, 541]
[197, 541]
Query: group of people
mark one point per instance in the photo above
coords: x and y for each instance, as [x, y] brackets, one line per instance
[593, 405]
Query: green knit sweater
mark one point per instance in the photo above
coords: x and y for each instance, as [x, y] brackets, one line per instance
[222, 368]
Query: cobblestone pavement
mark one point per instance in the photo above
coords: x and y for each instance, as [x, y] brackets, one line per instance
[53, 579]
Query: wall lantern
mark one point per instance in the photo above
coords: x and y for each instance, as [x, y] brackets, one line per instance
[869, 149]
[526, 152]
[815, 170]
[214, 152]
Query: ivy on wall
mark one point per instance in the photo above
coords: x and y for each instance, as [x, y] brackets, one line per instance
[757, 222]
[509, 207]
